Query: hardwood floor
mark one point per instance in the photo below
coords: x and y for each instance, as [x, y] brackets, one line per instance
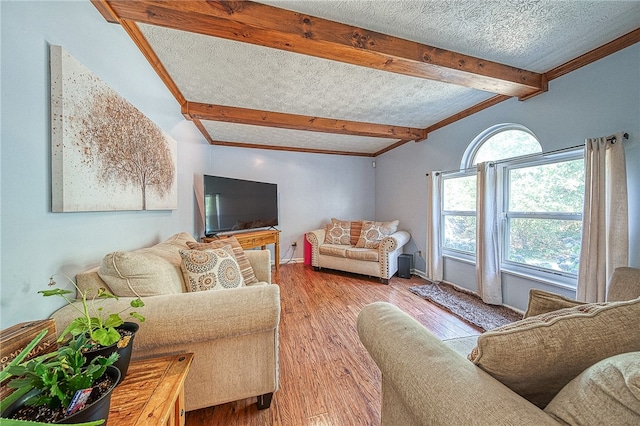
[326, 376]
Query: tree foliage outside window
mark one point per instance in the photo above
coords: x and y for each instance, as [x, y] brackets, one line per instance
[459, 211]
[500, 144]
[544, 205]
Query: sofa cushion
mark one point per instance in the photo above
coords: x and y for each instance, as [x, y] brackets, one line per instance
[245, 266]
[369, 255]
[539, 355]
[213, 269]
[605, 393]
[337, 250]
[374, 232]
[541, 302]
[338, 232]
[149, 271]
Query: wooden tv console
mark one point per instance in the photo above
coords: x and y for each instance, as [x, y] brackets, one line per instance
[252, 239]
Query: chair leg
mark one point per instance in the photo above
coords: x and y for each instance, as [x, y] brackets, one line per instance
[384, 281]
[264, 401]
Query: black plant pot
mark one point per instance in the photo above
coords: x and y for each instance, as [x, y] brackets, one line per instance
[125, 353]
[95, 411]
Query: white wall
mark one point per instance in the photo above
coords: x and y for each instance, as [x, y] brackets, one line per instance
[597, 100]
[35, 243]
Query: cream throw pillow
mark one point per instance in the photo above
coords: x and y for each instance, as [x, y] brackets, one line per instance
[541, 302]
[137, 273]
[374, 232]
[148, 271]
[213, 269]
[538, 356]
[607, 393]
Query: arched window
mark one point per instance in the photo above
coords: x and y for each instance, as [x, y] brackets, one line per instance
[539, 200]
[499, 142]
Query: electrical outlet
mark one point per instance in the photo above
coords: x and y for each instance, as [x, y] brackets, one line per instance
[294, 244]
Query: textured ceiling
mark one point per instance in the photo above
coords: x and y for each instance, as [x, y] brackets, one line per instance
[217, 71]
[533, 35]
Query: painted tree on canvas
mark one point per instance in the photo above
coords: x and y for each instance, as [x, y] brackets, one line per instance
[126, 147]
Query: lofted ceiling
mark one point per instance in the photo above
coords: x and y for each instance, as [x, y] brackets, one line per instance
[361, 77]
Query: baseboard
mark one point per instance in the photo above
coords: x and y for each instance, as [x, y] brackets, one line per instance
[420, 273]
[286, 261]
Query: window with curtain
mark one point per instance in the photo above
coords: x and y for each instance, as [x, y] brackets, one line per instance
[539, 200]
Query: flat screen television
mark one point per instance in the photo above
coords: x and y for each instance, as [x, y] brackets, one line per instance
[236, 205]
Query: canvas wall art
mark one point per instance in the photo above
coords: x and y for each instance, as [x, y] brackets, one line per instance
[106, 155]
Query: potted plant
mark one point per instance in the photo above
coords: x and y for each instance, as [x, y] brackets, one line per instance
[106, 332]
[60, 386]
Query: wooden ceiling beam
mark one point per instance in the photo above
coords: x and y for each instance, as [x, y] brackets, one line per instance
[598, 53]
[200, 111]
[264, 25]
[211, 141]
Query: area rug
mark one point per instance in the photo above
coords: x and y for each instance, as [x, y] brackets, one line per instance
[467, 306]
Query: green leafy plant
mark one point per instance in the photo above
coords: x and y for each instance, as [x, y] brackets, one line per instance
[18, 393]
[5, 374]
[93, 321]
[60, 374]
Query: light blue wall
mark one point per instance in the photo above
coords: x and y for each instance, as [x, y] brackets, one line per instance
[597, 100]
[312, 188]
[35, 243]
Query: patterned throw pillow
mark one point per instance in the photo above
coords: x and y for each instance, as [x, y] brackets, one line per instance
[338, 232]
[374, 232]
[245, 266]
[213, 269]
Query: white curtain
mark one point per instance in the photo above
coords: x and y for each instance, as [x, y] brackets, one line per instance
[605, 219]
[487, 238]
[434, 218]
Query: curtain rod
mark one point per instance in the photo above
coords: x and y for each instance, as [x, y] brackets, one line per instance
[613, 139]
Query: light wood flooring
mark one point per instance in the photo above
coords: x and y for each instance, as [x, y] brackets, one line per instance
[326, 376]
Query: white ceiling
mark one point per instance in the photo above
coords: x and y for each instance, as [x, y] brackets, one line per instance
[534, 35]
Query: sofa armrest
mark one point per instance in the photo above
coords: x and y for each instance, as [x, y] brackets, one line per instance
[393, 242]
[315, 238]
[428, 382]
[176, 319]
[260, 261]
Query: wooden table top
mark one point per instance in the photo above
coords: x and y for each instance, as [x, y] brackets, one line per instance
[145, 396]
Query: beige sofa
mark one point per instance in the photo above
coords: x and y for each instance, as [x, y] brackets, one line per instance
[578, 365]
[379, 260]
[233, 333]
